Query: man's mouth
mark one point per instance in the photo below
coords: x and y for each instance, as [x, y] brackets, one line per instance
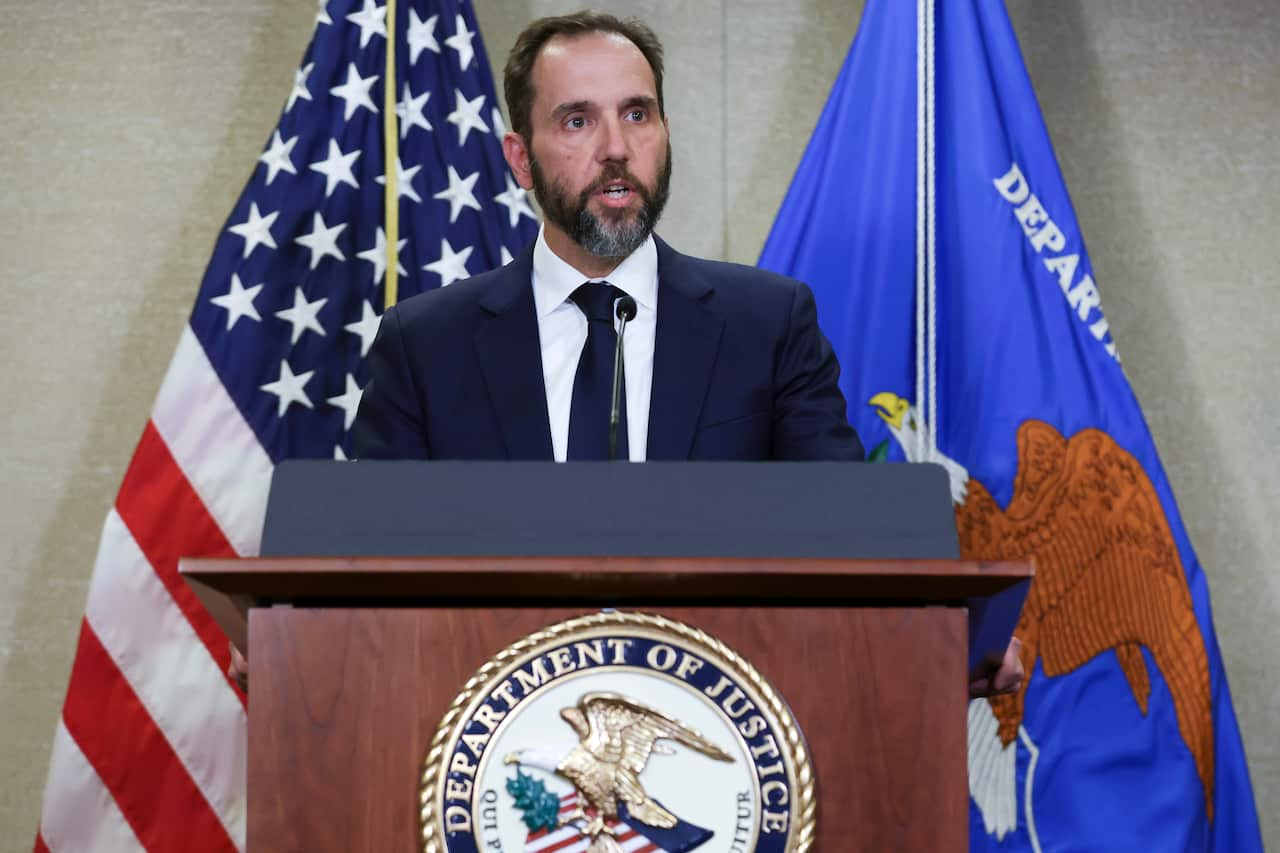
[617, 192]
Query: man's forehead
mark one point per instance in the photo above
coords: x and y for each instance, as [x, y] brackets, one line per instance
[564, 43]
[572, 62]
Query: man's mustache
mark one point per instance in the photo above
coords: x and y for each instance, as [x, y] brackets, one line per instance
[612, 174]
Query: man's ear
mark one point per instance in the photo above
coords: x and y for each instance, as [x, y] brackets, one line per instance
[517, 154]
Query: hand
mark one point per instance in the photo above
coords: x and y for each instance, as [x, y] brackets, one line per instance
[238, 669]
[992, 680]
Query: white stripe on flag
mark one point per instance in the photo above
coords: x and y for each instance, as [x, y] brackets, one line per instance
[561, 835]
[633, 843]
[171, 672]
[214, 445]
[79, 813]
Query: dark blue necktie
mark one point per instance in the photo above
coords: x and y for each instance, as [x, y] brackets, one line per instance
[593, 383]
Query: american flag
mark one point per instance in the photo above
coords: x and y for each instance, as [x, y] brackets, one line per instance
[567, 839]
[149, 753]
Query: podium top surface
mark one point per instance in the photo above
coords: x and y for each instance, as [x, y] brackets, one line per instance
[360, 581]
[992, 591]
[654, 509]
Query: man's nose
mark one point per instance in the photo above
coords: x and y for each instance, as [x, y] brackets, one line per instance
[613, 140]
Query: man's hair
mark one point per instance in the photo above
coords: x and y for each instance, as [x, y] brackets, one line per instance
[517, 79]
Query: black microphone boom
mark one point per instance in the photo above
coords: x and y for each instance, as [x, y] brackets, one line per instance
[626, 311]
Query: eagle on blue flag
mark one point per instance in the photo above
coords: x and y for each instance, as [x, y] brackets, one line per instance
[932, 222]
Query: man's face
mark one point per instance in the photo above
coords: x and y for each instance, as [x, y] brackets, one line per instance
[599, 162]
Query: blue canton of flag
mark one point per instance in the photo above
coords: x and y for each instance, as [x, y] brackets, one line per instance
[293, 294]
[952, 279]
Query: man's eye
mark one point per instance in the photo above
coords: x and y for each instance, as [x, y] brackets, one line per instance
[637, 115]
[577, 122]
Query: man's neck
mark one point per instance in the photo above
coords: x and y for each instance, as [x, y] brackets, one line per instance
[577, 257]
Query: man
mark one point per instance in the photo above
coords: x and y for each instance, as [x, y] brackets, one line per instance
[721, 361]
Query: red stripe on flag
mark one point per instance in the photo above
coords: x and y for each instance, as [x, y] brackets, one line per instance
[40, 847]
[148, 782]
[560, 845]
[169, 521]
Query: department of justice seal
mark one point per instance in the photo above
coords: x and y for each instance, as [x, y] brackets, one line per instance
[618, 733]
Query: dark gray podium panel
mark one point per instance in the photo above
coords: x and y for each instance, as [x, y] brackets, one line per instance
[655, 509]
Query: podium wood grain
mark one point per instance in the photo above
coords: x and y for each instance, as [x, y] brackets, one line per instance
[346, 701]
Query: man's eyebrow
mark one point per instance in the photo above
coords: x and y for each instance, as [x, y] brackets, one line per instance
[647, 101]
[571, 107]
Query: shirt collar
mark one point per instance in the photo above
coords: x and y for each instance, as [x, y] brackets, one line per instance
[554, 280]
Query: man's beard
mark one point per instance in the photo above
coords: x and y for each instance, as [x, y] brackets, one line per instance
[616, 233]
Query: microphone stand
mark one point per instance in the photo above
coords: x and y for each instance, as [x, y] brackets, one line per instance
[626, 310]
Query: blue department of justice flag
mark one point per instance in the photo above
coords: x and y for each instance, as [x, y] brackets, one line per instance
[936, 231]
[292, 297]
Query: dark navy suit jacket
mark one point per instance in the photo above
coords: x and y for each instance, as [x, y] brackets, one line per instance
[740, 371]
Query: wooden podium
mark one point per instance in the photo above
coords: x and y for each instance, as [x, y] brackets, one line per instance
[355, 662]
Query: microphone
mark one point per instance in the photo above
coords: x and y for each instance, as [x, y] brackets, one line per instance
[626, 311]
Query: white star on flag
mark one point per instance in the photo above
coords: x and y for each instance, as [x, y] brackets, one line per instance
[339, 455]
[422, 35]
[506, 256]
[378, 256]
[355, 92]
[238, 301]
[303, 315]
[466, 116]
[336, 168]
[366, 327]
[322, 240]
[276, 157]
[348, 401]
[499, 126]
[516, 201]
[300, 89]
[404, 181]
[452, 266]
[410, 112]
[288, 388]
[322, 12]
[256, 230]
[461, 42]
[372, 21]
[459, 194]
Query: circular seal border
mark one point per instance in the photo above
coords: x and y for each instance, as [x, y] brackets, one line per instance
[802, 829]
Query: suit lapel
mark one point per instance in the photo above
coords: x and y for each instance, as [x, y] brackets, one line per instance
[510, 356]
[686, 341]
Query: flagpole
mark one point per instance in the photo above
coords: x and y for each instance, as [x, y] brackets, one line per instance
[931, 225]
[920, 290]
[926, 401]
[391, 160]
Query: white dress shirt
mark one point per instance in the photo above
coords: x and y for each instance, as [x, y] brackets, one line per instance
[562, 330]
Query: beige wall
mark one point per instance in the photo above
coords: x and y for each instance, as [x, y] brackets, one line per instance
[129, 129]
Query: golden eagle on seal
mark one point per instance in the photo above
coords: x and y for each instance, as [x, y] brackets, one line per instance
[616, 736]
[1108, 578]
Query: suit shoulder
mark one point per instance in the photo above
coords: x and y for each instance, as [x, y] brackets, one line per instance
[741, 276]
[446, 304]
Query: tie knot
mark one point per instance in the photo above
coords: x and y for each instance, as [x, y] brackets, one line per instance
[596, 300]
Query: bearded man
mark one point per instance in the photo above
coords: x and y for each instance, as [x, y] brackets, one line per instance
[722, 362]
